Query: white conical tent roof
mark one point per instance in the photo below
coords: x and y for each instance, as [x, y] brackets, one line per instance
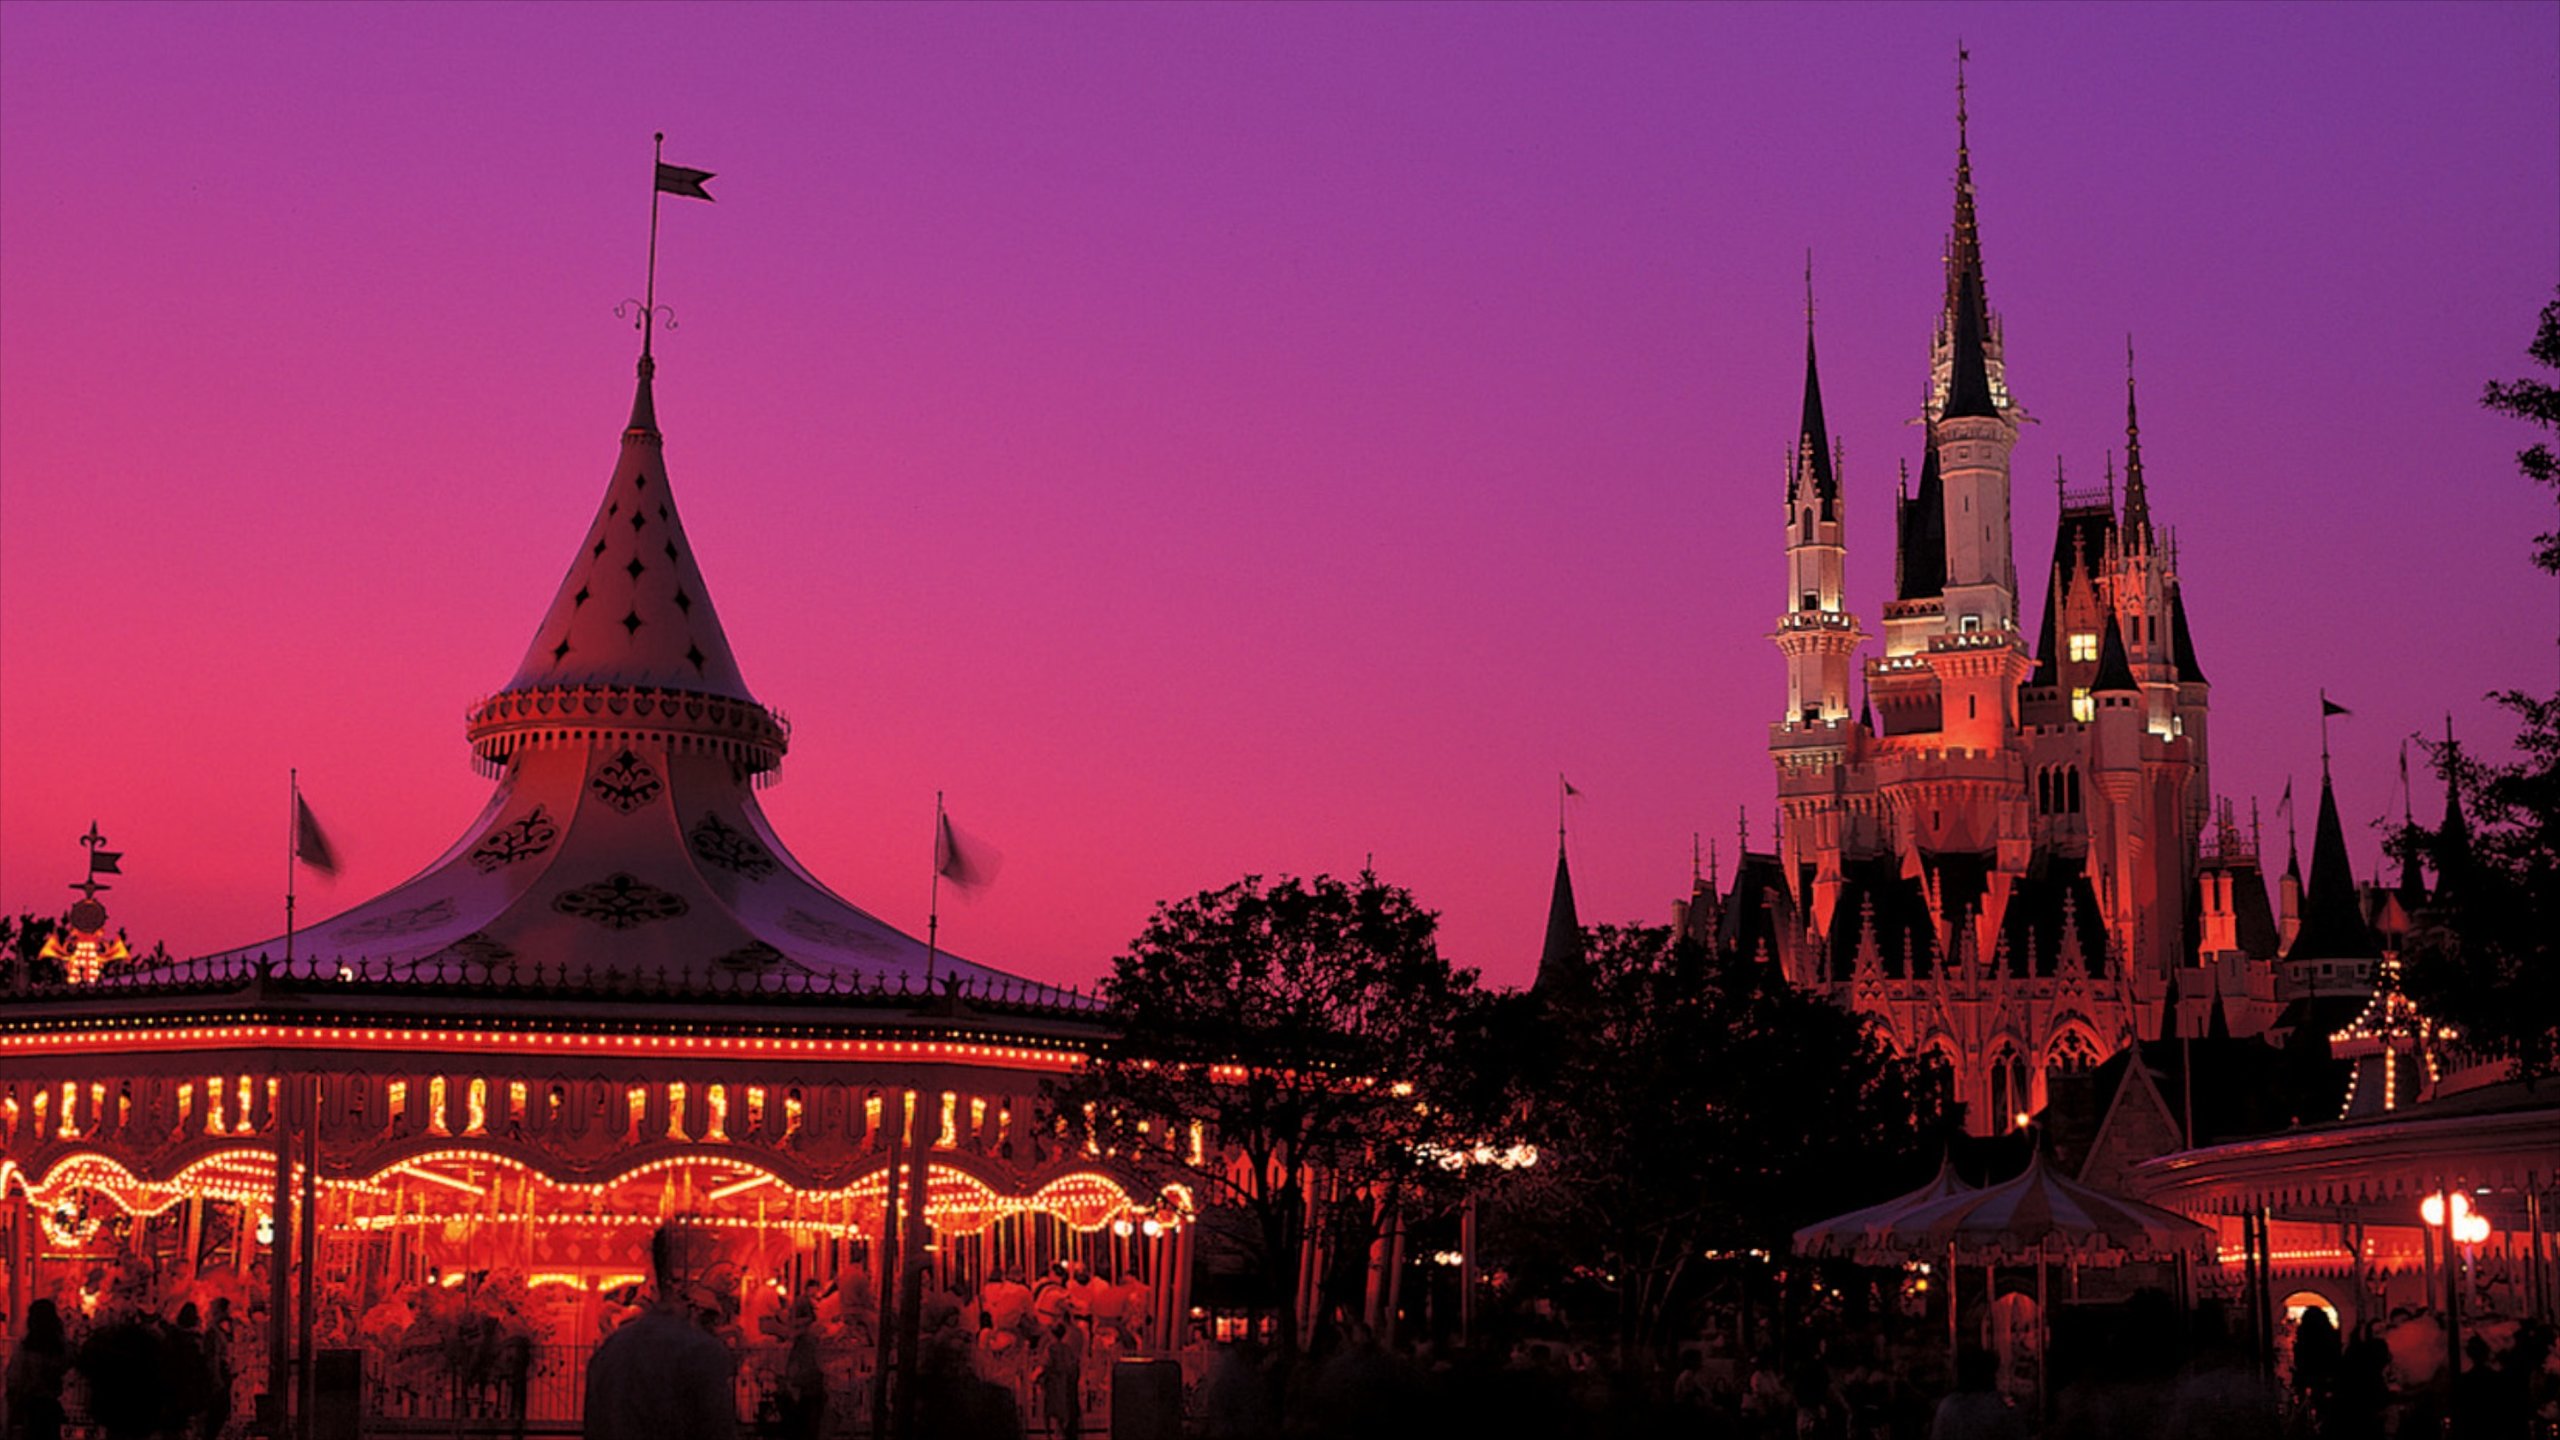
[624, 839]
[633, 609]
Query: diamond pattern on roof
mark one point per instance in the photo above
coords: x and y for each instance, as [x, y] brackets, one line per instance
[651, 621]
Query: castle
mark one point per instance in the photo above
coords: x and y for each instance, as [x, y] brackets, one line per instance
[2005, 851]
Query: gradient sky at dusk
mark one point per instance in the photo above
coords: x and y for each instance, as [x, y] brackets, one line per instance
[1206, 440]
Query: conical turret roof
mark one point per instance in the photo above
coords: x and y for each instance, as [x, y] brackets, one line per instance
[1813, 437]
[1920, 549]
[1969, 382]
[2333, 925]
[1561, 959]
[633, 609]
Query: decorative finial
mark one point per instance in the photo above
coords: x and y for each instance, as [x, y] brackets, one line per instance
[2132, 415]
[1962, 55]
[1808, 293]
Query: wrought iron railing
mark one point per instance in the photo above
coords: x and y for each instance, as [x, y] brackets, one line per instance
[514, 977]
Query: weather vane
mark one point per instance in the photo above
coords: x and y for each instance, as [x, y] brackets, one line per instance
[89, 946]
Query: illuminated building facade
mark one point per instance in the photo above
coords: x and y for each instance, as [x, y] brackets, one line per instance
[1999, 852]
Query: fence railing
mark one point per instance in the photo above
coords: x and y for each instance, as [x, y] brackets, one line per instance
[455, 969]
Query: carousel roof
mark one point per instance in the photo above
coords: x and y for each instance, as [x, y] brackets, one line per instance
[624, 840]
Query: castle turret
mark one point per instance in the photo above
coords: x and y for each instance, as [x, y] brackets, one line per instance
[1816, 632]
[1819, 637]
[1563, 969]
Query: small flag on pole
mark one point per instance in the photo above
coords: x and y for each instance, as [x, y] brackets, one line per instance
[678, 180]
[2284, 806]
[963, 858]
[310, 845]
[107, 862]
[2329, 707]
[1569, 787]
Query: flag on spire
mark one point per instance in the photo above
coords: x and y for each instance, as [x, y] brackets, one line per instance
[2329, 707]
[310, 844]
[679, 180]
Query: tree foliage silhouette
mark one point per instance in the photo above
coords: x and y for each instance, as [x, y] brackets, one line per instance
[2486, 953]
[1697, 1107]
[1306, 1027]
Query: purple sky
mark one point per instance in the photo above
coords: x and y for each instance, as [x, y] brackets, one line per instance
[1205, 440]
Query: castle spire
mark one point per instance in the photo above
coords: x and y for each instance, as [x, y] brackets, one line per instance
[2413, 882]
[1964, 249]
[1813, 439]
[1966, 376]
[2333, 925]
[2453, 837]
[2137, 503]
[1920, 550]
[1560, 960]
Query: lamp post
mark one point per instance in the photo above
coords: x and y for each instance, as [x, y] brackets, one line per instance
[2450, 1211]
[1467, 1162]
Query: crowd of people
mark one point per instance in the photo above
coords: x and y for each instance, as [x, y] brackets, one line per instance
[145, 1377]
[1017, 1356]
[1021, 1359]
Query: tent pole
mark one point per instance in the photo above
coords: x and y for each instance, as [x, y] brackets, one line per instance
[1954, 1332]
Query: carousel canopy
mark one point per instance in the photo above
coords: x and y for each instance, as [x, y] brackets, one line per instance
[1853, 1234]
[624, 840]
[2040, 1215]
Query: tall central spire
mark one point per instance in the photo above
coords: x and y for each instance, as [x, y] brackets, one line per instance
[1966, 353]
[1964, 247]
[2137, 501]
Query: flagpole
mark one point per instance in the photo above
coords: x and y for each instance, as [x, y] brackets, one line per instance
[933, 906]
[292, 851]
[649, 290]
[2324, 733]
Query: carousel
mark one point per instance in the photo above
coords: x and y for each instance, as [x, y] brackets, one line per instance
[426, 1142]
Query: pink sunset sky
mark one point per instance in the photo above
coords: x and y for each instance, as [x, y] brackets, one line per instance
[1206, 440]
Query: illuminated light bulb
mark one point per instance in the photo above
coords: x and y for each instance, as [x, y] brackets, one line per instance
[2431, 1210]
[266, 1229]
[1151, 1227]
[1123, 1229]
[2470, 1229]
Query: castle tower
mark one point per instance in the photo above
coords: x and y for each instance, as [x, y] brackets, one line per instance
[1993, 852]
[1974, 653]
[1818, 636]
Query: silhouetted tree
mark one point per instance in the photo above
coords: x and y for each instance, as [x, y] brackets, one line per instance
[1696, 1106]
[2486, 953]
[1307, 1028]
